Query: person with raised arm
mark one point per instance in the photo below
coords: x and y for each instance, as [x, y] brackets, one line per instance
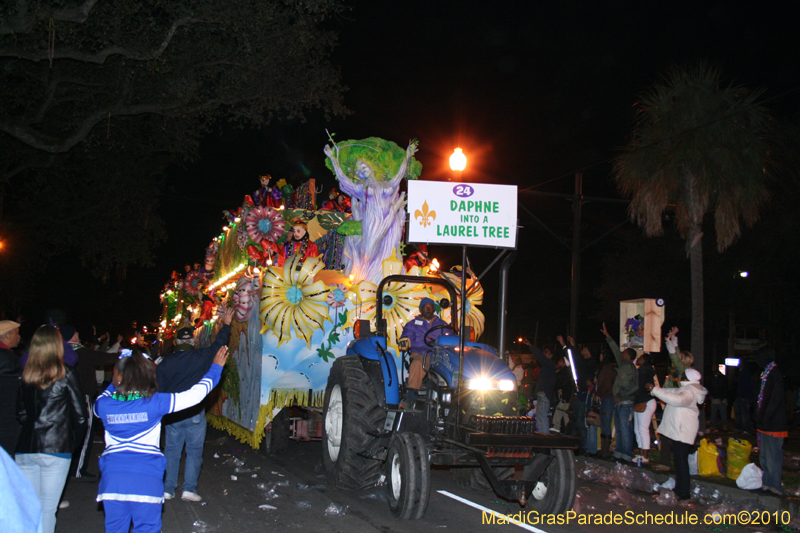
[132, 465]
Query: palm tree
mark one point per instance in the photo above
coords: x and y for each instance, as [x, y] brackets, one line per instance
[697, 148]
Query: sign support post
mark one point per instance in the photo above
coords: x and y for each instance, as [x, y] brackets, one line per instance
[461, 323]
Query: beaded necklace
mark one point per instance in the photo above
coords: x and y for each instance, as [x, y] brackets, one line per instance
[764, 376]
[289, 247]
[132, 395]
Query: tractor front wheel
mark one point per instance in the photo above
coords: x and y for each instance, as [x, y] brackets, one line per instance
[408, 476]
[555, 489]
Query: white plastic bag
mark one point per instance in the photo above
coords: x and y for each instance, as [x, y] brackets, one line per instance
[693, 464]
[750, 478]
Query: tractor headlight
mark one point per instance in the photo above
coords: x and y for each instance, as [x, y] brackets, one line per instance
[506, 385]
[484, 384]
[479, 384]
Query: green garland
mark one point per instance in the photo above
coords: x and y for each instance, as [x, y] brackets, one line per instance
[230, 383]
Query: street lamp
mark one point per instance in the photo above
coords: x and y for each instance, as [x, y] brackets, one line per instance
[458, 161]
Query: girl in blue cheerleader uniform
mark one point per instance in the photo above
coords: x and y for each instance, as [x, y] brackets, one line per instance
[132, 465]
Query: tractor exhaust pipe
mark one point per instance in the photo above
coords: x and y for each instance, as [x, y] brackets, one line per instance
[503, 304]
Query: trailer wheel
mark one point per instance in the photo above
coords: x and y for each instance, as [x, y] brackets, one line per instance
[351, 412]
[408, 476]
[555, 490]
[474, 478]
[276, 434]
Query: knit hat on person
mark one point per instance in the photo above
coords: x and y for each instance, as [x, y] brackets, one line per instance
[426, 301]
[7, 325]
[692, 375]
[67, 332]
[765, 355]
[185, 334]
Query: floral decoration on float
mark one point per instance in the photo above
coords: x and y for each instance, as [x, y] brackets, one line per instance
[292, 301]
[264, 224]
[191, 283]
[400, 301]
[474, 317]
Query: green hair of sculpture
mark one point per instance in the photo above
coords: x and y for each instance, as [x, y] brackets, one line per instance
[382, 156]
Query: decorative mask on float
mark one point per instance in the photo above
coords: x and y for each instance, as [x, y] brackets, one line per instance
[299, 230]
[211, 256]
[245, 296]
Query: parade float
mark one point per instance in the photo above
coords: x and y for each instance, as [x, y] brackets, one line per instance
[301, 277]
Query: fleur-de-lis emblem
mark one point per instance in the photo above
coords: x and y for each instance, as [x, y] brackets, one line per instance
[427, 217]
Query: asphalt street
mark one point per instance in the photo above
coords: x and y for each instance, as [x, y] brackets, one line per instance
[237, 483]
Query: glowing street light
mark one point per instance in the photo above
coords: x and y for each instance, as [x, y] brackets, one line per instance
[744, 273]
[458, 161]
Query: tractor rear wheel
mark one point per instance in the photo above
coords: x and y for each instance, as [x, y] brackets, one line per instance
[351, 412]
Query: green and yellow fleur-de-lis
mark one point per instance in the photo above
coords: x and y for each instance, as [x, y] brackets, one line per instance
[427, 217]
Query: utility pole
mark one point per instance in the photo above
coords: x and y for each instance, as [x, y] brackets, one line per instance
[576, 254]
[575, 248]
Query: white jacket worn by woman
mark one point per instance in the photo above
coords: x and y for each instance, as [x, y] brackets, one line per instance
[680, 419]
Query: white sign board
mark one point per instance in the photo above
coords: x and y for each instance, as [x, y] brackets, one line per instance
[472, 214]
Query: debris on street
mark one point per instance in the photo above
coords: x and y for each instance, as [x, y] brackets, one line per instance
[336, 510]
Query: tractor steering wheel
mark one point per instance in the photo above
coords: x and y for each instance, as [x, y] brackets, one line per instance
[430, 342]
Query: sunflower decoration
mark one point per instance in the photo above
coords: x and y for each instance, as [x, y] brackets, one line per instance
[400, 304]
[292, 300]
[264, 223]
[474, 317]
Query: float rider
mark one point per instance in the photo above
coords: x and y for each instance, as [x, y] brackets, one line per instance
[413, 341]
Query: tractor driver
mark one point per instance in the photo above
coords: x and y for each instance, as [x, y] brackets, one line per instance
[413, 341]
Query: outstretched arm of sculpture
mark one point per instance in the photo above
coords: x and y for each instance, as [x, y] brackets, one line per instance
[410, 151]
[347, 185]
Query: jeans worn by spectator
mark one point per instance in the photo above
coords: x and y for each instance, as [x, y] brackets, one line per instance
[606, 415]
[48, 475]
[623, 420]
[641, 425]
[542, 412]
[719, 409]
[771, 458]
[588, 435]
[741, 414]
[192, 432]
[680, 454]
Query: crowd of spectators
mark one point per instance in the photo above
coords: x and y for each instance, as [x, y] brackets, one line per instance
[620, 394]
[49, 406]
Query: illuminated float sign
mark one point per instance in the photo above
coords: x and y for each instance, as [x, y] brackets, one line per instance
[472, 214]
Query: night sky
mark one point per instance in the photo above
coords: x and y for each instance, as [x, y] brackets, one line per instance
[532, 91]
